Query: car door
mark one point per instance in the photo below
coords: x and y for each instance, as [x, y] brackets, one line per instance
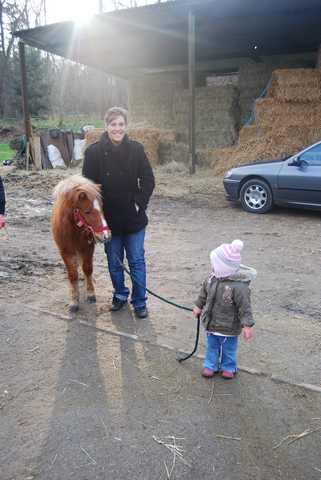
[299, 182]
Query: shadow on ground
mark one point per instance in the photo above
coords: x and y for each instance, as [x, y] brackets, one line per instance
[114, 399]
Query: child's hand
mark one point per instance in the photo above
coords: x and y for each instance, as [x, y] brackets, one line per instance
[247, 333]
[197, 311]
[2, 221]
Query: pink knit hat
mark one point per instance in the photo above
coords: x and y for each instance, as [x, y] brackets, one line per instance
[226, 258]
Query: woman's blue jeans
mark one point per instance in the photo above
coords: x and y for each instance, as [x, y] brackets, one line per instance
[133, 245]
[221, 353]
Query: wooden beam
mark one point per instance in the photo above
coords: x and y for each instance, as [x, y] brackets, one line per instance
[24, 91]
[191, 87]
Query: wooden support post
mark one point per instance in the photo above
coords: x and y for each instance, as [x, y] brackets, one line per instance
[191, 86]
[24, 91]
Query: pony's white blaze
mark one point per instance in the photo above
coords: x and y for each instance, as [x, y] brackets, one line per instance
[103, 221]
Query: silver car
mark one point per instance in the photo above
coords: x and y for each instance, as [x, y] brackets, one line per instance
[291, 182]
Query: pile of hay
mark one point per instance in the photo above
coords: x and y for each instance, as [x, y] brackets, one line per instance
[93, 136]
[152, 138]
[287, 120]
[296, 85]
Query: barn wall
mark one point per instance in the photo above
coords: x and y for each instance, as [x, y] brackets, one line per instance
[161, 101]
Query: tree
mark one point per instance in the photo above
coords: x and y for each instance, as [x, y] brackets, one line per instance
[38, 86]
[14, 15]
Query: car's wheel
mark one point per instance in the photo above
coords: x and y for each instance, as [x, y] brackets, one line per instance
[256, 196]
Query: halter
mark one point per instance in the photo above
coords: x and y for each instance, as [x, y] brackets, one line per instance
[81, 222]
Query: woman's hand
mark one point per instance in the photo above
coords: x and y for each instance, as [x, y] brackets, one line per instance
[247, 333]
[2, 221]
[197, 311]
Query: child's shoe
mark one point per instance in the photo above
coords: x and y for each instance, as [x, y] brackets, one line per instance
[208, 373]
[227, 375]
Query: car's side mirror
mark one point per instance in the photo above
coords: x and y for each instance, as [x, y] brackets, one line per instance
[294, 162]
[299, 162]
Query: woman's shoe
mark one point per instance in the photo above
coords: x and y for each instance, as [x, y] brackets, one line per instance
[141, 312]
[117, 304]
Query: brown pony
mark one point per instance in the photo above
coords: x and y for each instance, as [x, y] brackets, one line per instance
[77, 222]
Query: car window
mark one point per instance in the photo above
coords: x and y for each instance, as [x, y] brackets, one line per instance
[312, 156]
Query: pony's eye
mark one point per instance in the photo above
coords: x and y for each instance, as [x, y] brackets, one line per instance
[87, 212]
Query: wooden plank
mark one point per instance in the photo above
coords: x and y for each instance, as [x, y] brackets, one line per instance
[36, 150]
[24, 91]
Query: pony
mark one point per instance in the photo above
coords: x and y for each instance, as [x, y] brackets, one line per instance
[77, 222]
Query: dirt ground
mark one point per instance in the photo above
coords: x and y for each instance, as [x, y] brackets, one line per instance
[94, 395]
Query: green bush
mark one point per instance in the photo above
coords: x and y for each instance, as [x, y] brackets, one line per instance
[6, 153]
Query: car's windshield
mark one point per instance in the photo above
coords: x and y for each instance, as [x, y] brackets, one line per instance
[312, 156]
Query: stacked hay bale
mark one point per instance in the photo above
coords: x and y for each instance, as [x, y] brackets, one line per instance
[217, 116]
[287, 120]
[252, 82]
[158, 144]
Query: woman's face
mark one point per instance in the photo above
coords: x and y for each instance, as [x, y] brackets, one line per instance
[116, 129]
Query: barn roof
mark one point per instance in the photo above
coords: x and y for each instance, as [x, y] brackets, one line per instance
[155, 36]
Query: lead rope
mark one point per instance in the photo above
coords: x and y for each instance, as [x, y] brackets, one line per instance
[181, 356]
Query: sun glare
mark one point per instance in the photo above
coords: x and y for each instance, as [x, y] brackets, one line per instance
[80, 12]
[82, 18]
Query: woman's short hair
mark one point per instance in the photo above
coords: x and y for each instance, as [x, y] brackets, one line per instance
[113, 113]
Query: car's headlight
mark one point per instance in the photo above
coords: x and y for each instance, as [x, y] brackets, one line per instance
[228, 174]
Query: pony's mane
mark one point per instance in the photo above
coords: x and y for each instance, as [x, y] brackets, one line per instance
[73, 182]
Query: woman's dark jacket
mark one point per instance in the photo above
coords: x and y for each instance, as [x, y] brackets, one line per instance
[2, 198]
[126, 177]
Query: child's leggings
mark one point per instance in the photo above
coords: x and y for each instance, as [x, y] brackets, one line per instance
[221, 353]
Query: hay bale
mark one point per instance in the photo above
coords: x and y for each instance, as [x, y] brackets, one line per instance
[92, 136]
[149, 137]
[146, 136]
[296, 85]
[248, 132]
[209, 157]
[304, 133]
[287, 120]
[266, 147]
[167, 136]
[271, 112]
[174, 167]
[180, 152]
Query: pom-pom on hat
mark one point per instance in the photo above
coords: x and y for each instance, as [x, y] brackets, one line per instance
[226, 258]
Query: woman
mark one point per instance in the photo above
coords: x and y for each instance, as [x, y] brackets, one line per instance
[2, 205]
[121, 166]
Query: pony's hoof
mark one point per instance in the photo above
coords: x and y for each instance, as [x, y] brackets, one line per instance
[91, 299]
[73, 308]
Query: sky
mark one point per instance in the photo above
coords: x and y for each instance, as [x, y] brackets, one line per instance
[60, 10]
[80, 10]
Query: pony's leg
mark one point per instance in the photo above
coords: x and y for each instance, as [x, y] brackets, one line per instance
[87, 266]
[71, 263]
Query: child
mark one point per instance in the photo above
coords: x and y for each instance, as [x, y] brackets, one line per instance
[2, 205]
[225, 307]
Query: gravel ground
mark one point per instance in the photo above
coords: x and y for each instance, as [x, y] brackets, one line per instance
[91, 396]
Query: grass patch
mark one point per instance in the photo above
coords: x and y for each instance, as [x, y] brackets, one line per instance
[67, 122]
[6, 153]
